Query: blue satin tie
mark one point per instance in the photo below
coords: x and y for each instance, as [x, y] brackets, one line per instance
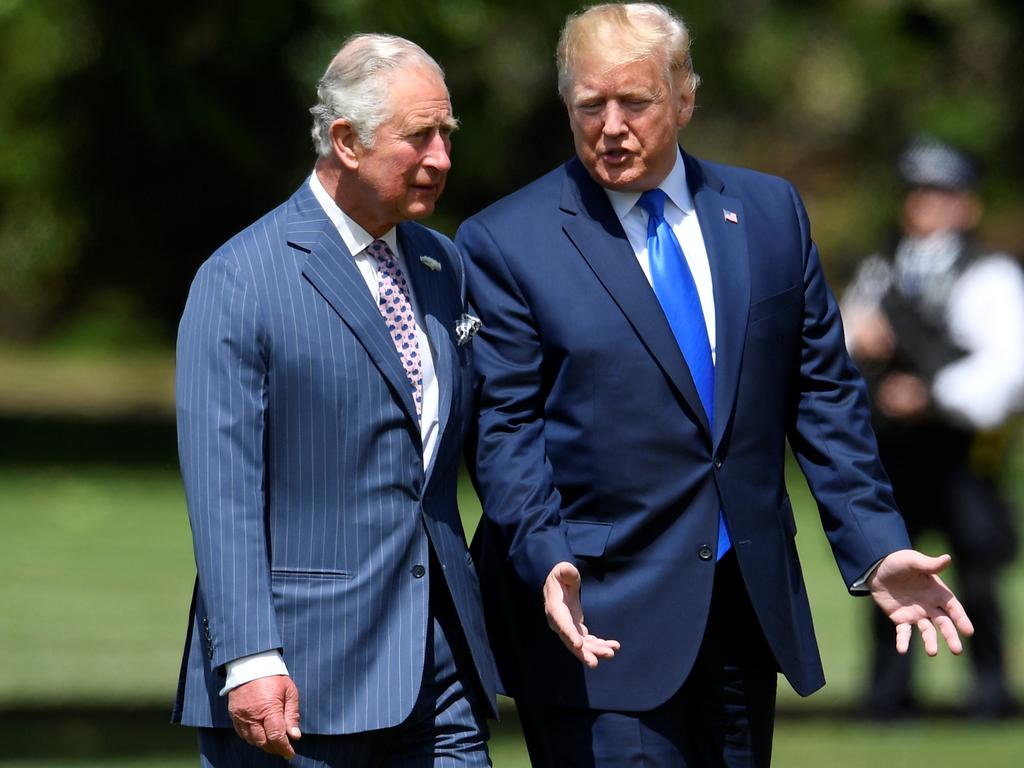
[677, 294]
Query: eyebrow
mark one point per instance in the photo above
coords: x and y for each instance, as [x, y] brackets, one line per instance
[448, 122]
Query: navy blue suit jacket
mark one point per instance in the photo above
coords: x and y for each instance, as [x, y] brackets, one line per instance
[593, 446]
[301, 454]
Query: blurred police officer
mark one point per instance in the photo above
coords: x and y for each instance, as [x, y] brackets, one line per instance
[937, 326]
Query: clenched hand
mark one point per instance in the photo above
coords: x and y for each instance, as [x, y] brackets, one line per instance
[265, 713]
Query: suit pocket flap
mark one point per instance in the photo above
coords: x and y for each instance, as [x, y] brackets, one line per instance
[310, 573]
[587, 539]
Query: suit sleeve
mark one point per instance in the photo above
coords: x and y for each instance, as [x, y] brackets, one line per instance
[513, 475]
[220, 394]
[831, 435]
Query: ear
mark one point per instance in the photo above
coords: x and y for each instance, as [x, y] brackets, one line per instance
[345, 144]
[684, 107]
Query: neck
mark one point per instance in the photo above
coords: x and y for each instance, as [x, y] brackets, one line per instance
[346, 193]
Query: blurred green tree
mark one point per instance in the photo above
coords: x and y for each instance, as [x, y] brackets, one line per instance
[138, 136]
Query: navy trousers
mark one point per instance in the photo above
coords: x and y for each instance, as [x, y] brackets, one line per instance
[723, 715]
[446, 729]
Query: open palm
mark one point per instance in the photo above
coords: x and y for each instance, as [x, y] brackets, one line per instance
[906, 586]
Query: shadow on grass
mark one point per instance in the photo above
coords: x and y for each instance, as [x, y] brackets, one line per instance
[117, 732]
[134, 441]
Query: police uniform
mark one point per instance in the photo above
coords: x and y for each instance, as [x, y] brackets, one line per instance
[957, 315]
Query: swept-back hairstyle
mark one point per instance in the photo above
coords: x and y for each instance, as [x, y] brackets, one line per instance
[355, 85]
[618, 33]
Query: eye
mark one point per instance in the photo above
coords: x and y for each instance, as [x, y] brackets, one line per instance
[589, 107]
[420, 135]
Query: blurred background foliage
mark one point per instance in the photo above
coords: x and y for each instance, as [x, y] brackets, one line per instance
[138, 136]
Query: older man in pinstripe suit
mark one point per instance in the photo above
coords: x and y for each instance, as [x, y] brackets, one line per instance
[323, 393]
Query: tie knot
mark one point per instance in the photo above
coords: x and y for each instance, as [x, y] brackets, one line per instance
[380, 251]
[653, 202]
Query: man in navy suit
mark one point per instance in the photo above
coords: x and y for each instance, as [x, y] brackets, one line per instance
[655, 328]
[323, 393]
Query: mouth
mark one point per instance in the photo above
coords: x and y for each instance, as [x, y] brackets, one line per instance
[428, 189]
[616, 156]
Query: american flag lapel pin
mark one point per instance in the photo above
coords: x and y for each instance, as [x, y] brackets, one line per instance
[730, 216]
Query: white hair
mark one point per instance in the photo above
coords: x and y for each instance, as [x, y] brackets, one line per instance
[355, 85]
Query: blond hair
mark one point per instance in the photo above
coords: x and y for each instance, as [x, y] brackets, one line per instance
[618, 33]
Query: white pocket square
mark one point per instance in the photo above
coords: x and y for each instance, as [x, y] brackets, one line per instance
[466, 328]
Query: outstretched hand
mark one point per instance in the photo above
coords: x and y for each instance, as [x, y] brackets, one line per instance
[565, 616]
[265, 713]
[906, 586]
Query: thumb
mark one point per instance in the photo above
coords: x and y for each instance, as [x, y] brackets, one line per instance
[933, 565]
[907, 561]
[291, 711]
[567, 574]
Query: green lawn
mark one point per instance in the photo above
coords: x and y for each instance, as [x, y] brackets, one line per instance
[797, 745]
[98, 572]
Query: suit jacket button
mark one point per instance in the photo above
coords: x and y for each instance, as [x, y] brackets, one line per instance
[718, 463]
[705, 553]
[418, 571]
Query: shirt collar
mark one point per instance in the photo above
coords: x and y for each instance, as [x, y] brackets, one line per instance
[356, 238]
[674, 186]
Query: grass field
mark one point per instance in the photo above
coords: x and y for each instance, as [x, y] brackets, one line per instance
[98, 571]
[797, 745]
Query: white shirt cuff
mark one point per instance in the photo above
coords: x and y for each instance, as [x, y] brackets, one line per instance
[248, 668]
[860, 586]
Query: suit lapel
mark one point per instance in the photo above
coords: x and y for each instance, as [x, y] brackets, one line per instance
[596, 232]
[726, 243]
[332, 271]
[434, 304]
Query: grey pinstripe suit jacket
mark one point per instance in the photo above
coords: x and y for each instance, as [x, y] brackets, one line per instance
[302, 461]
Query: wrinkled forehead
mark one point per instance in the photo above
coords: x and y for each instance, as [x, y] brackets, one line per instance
[597, 70]
[417, 90]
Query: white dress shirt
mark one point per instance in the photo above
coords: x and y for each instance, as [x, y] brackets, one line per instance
[682, 218]
[356, 239]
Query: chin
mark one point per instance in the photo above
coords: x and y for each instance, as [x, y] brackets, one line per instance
[419, 210]
[623, 181]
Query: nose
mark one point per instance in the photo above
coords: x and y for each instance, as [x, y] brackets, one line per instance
[438, 154]
[614, 122]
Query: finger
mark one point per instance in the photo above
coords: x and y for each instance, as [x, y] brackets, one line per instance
[277, 740]
[948, 630]
[956, 612]
[931, 642]
[903, 632]
[291, 712]
[599, 651]
[242, 729]
[255, 735]
[613, 644]
[566, 627]
[578, 651]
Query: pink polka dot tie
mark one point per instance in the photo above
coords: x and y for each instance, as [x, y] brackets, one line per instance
[395, 305]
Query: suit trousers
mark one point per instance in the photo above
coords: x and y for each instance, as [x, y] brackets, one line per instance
[446, 729]
[723, 715]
